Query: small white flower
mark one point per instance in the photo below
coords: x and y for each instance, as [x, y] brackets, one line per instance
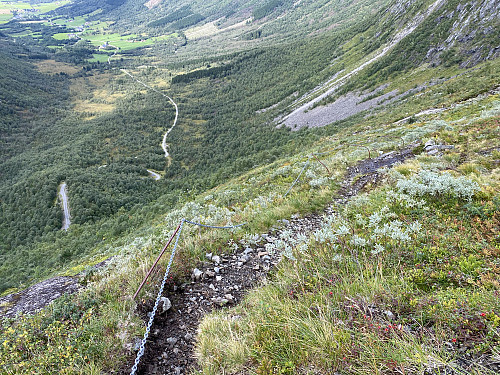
[342, 230]
[377, 249]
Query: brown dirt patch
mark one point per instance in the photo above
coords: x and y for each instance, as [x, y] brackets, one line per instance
[53, 67]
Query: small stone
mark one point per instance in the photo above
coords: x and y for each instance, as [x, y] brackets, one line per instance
[216, 269]
[429, 143]
[236, 317]
[178, 370]
[266, 258]
[210, 273]
[211, 286]
[216, 259]
[172, 340]
[229, 297]
[166, 304]
[218, 278]
[137, 344]
[446, 147]
[188, 336]
[285, 221]
[196, 274]
[433, 152]
[248, 250]
[244, 258]
[176, 351]
[209, 256]
[256, 267]
[220, 301]
[262, 253]
[389, 314]
[240, 264]
[164, 355]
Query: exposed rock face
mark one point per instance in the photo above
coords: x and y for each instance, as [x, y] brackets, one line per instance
[473, 34]
[38, 296]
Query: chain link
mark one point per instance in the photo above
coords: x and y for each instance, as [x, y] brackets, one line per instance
[158, 297]
[300, 174]
[140, 353]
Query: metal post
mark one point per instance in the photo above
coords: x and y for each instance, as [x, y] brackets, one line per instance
[157, 260]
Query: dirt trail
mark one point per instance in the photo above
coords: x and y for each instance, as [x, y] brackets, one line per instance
[164, 141]
[224, 280]
[155, 175]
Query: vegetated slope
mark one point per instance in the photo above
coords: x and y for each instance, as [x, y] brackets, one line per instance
[418, 278]
[274, 17]
[456, 33]
[404, 278]
[221, 134]
[410, 37]
[103, 154]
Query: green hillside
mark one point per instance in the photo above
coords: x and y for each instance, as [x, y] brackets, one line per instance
[357, 141]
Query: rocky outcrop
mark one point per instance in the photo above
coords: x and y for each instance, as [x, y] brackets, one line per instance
[38, 296]
[473, 36]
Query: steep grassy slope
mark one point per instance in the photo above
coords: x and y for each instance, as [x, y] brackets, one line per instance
[439, 283]
[437, 279]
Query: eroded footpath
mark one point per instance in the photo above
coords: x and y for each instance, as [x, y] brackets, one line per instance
[223, 280]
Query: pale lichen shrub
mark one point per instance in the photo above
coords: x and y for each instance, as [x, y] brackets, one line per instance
[423, 130]
[320, 181]
[284, 171]
[494, 111]
[438, 184]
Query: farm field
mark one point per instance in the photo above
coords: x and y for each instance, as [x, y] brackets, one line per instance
[8, 9]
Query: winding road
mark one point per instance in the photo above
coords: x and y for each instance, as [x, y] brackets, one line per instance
[164, 142]
[63, 195]
[155, 175]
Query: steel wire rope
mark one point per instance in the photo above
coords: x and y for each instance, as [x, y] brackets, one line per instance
[297, 179]
[140, 353]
